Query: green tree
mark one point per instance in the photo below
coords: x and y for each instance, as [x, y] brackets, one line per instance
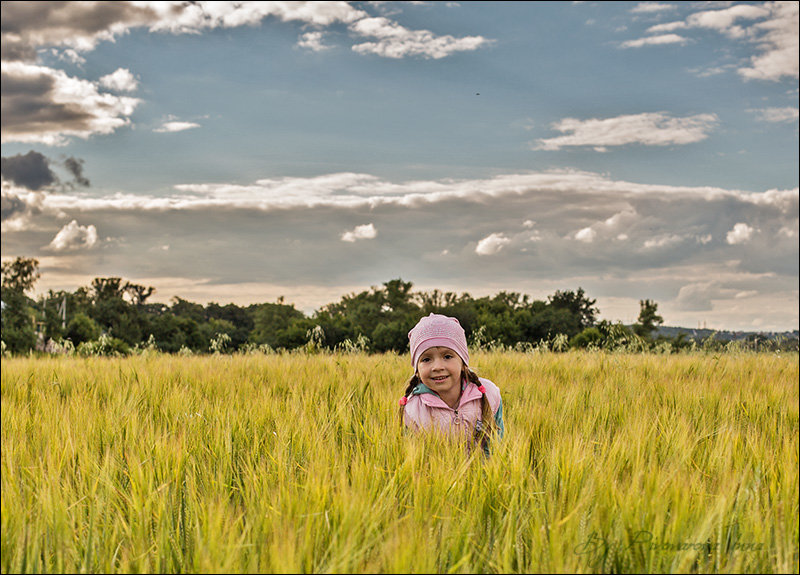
[240, 318]
[648, 320]
[18, 317]
[270, 322]
[82, 328]
[20, 274]
[577, 303]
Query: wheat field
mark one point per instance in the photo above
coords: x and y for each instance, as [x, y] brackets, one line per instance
[290, 463]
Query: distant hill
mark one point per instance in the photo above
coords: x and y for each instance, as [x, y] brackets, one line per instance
[702, 334]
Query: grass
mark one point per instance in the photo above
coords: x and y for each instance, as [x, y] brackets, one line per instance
[296, 463]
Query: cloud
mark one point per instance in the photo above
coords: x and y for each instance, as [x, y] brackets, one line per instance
[664, 240]
[650, 7]
[725, 20]
[76, 25]
[121, 80]
[778, 45]
[34, 171]
[74, 237]
[654, 41]
[771, 27]
[396, 41]
[285, 232]
[586, 235]
[740, 234]
[778, 115]
[491, 244]
[648, 129]
[312, 41]
[354, 191]
[364, 232]
[81, 26]
[31, 171]
[75, 167]
[175, 126]
[46, 106]
[12, 208]
[696, 296]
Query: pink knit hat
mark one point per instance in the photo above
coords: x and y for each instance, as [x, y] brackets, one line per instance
[434, 331]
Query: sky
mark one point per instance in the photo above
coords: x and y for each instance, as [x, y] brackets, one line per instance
[239, 152]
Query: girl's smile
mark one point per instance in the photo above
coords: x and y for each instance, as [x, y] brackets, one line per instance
[440, 369]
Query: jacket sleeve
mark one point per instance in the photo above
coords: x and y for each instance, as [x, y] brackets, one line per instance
[415, 415]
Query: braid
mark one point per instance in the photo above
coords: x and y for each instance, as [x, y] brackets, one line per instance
[488, 426]
[412, 383]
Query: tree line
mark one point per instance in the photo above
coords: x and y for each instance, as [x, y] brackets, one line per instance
[112, 315]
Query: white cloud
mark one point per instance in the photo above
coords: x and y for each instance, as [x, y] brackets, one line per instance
[625, 217]
[725, 20]
[654, 41]
[365, 232]
[298, 217]
[183, 18]
[778, 115]
[354, 190]
[312, 41]
[648, 129]
[81, 26]
[740, 234]
[696, 296]
[746, 294]
[121, 80]
[586, 235]
[396, 41]
[650, 7]
[74, 237]
[778, 45]
[662, 241]
[491, 244]
[771, 27]
[176, 126]
[60, 106]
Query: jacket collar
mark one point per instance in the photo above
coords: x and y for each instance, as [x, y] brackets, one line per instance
[469, 392]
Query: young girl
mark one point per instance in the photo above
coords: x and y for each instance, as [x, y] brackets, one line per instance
[444, 393]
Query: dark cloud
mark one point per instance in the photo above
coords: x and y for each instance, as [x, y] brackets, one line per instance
[34, 171]
[75, 167]
[31, 112]
[27, 25]
[11, 206]
[31, 171]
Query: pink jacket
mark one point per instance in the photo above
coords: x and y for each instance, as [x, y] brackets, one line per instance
[426, 410]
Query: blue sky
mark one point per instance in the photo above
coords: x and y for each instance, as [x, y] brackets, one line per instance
[241, 152]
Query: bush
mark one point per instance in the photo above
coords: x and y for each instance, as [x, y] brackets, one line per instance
[589, 337]
[104, 346]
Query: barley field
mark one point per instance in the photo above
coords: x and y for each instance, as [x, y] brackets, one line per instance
[296, 463]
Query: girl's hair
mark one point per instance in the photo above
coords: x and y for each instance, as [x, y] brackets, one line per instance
[483, 430]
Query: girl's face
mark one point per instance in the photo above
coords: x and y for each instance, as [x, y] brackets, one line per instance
[439, 368]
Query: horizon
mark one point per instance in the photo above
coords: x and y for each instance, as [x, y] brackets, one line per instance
[310, 311]
[239, 152]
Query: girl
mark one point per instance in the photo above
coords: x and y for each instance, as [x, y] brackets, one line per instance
[444, 393]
